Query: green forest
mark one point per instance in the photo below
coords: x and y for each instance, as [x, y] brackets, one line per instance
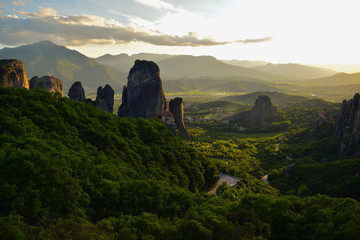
[71, 171]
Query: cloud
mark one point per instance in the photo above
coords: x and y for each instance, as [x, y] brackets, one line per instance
[21, 3]
[78, 30]
[157, 4]
[43, 12]
[256, 40]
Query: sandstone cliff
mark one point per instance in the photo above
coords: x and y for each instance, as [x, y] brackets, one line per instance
[13, 74]
[257, 116]
[176, 107]
[143, 96]
[49, 83]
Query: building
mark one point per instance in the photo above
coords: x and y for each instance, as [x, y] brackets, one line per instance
[165, 116]
[324, 115]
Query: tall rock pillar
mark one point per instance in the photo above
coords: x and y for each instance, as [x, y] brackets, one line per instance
[143, 96]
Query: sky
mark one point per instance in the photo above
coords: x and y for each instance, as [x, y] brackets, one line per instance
[278, 31]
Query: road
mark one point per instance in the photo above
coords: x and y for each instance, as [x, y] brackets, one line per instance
[230, 180]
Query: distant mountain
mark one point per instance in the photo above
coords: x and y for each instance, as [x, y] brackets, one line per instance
[46, 58]
[347, 68]
[337, 80]
[151, 56]
[183, 66]
[245, 63]
[217, 85]
[186, 66]
[276, 98]
[296, 71]
[124, 62]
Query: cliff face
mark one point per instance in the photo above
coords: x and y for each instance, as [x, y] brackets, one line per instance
[77, 93]
[261, 110]
[105, 99]
[13, 74]
[143, 95]
[348, 114]
[49, 83]
[176, 107]
[348, 123]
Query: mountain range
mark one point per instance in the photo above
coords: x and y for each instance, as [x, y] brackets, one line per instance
[337, 79]
[187, 66]
[180, 73]
[296, 71]
[46, 58]
[245, 63]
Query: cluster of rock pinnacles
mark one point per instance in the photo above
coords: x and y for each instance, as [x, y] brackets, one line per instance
[142, 96]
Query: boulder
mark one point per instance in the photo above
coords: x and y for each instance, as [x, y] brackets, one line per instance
[77, 93]
[13, 74]
[176, 107]
[49, 83]
[143, 96]
[105, 98]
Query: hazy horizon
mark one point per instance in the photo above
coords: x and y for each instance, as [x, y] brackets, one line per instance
[279, 31]
[346, 68]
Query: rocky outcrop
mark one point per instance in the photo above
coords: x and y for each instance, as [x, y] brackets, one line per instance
[49, 83]
[257, 116]
[105, 98]
[348, 124]
[176, 107]
[77, 92]
[13, 74]
[262, 109]
[123, 109]
[346, 118]
[143, 96]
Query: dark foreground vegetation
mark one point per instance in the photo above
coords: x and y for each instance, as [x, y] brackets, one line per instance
[71, 171]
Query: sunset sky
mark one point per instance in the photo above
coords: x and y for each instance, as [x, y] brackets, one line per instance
[303, 31]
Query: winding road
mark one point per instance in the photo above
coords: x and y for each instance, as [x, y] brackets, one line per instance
[230, 180]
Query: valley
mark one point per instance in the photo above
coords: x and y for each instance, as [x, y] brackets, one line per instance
[275, 145]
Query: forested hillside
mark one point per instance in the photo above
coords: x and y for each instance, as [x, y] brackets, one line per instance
[71, 171]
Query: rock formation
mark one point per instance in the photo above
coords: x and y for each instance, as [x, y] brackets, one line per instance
[263, 108]
[105, 99]
[143, 95]
[123, 109]
[348, 123]
[176, 107]
[77, 93]
[49, 83]
[13, 74]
